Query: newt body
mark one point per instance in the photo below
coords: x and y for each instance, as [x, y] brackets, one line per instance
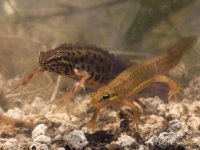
[136, 78]
[90, 63]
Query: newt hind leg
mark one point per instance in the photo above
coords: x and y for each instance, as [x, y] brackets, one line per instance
[174, 88]
[92, 123]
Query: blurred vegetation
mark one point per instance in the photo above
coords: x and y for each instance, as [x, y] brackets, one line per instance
[28, 27]
[150, 14]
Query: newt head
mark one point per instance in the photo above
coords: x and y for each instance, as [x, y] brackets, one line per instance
[54, 60]
[104, 97]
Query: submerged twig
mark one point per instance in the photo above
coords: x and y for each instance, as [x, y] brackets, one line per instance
[55, 89]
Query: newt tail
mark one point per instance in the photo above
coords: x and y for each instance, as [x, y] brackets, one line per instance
[172, 56]
[136, 78]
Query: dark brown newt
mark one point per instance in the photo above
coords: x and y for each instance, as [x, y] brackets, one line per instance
[92, 66]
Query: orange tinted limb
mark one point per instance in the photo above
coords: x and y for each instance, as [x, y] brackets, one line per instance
[27, 79]
[174, 88]
[136, 116]
[84, 76]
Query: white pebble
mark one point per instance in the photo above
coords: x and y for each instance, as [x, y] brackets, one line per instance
[174, 110]
[15, 113]
[196, 140]
[60, 148]
[174, 125]
[176, 131]
[42, 139]
[154, 105]
[152, 123]
[124, 140]
[8, 144]
[39, 146]
[76, 139]
[194, 122]
[194, 107]
[39, 130]
[38, 102]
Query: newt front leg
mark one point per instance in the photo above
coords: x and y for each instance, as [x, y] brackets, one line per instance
[92, 122]
[27, 79]
[134, 108]
[136, 115]
[84, 76]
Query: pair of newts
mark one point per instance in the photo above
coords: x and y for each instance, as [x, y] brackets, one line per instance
[117, 84]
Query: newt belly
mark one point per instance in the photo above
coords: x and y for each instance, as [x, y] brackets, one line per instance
[138, 77]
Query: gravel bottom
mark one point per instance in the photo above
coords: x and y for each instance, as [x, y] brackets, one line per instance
[39, 125]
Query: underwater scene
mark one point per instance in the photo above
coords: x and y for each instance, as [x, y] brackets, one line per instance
[100, 75]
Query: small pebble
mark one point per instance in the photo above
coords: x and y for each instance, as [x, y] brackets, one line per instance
[39, 130]
[152, 125]
[8, 144]
[60, 148]
[37, 103]
[174, 125]
[40, 140]
[38, 146]
[76, 139]
[194, 122]
[15, 113]
[196, 140]
[154, 105]
[175, 110]
[124, 140]
[194, 107]
[167, 140]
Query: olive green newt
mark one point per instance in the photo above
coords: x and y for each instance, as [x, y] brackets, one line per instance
[138, 77]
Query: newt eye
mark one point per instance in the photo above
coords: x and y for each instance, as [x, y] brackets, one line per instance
[58, 57]
[105, 97]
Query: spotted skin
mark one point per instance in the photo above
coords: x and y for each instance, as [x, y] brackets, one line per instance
[99, 63]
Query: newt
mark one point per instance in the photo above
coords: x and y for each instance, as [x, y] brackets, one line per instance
[138, 77]
[89, 65]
